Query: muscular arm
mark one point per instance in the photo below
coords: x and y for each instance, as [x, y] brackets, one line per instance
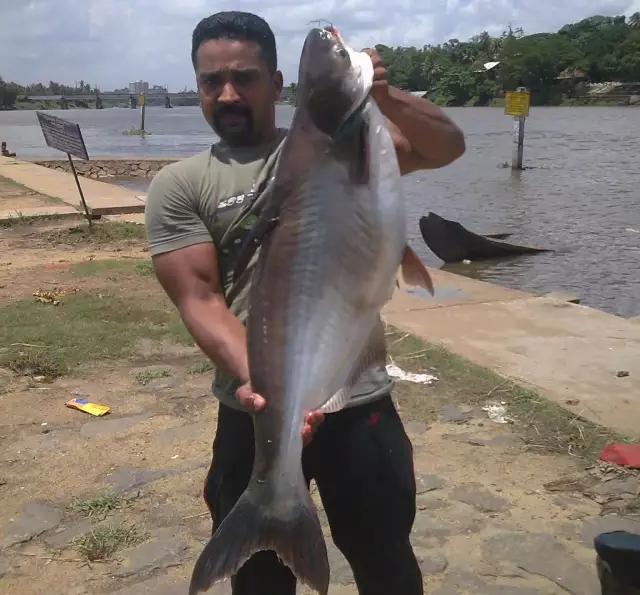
[425, 138]
[190, 278]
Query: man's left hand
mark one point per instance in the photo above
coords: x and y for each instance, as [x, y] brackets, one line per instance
[380, 88]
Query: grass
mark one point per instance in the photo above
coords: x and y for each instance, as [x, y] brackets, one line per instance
[544, 426]
[102, 542]
[145, 376]
[98, 506]
[95, 268]
[37, 339]
[101, 232]
[201, 367]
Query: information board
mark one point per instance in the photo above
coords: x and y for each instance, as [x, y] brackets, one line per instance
[516, 103]
[63, 135]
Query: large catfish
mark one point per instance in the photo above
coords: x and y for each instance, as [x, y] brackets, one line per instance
[325, 270]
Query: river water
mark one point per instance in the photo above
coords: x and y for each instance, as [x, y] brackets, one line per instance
[581, 198]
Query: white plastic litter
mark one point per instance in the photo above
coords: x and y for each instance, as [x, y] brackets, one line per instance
[497, 412]
[400, 374]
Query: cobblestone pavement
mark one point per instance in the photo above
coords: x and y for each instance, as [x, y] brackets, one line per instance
[485, 523]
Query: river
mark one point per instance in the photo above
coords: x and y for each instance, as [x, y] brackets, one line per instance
[581, 198]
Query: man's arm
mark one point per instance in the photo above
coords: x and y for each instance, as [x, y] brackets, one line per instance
[424, 137]
[190, 278]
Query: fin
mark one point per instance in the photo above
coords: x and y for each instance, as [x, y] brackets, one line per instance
[414, 272]
[263, 520]
[373, 354]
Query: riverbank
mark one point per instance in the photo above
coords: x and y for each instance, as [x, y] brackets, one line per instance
[571, 353]
[114, 504]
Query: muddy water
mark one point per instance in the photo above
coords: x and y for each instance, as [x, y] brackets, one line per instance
[581, 198]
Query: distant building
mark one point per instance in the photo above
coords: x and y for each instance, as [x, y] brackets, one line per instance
[139, 87]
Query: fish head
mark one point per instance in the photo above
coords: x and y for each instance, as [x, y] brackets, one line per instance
[333, 79]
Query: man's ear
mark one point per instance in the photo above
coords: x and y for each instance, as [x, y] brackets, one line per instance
[278, 83]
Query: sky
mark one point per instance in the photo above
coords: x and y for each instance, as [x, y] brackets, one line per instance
[109, 43]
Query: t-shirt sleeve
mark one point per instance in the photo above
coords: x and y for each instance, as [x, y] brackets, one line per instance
[171, 216]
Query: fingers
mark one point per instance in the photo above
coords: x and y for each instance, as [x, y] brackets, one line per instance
[251, 401]
[311, 422]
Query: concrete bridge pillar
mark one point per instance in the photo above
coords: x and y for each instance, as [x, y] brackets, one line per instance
[133, 101]
[167, 102]
[64, 103]
[99, 104]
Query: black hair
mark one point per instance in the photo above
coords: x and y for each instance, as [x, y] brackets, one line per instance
[236, 24]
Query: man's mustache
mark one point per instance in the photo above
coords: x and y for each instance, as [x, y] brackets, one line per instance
[232, 110]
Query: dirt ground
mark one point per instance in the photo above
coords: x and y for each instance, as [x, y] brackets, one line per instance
[15, 197]
[113, 504]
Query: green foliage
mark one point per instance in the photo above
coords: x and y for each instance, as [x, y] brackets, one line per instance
[601, 48]
[12, 93]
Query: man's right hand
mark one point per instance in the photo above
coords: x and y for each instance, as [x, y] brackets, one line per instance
[250, 400]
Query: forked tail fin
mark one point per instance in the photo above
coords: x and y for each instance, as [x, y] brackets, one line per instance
[262, 521]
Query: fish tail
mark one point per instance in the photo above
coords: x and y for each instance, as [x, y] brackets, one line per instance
[414, 272]
[263, 520]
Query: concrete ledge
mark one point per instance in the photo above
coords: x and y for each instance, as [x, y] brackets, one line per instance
[109, 167]
[102, 198]
[58, 211]
[567, 352]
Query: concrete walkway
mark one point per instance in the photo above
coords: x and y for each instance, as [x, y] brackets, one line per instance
[568, 352]
[102, 198]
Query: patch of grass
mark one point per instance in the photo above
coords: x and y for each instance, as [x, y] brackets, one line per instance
[545, 426]
[93, 268]
[144, 269]
[20, 220]
[102, 542]
[101, 232]
[41, 340]
[145, 376]
[97, 267]
[100, 505]
[201, 367]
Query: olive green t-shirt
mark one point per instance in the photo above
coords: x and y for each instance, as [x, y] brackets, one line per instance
[205, 198]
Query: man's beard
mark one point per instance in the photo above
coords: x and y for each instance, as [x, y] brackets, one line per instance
[238, 129]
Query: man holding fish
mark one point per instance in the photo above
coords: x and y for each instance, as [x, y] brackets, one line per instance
[294, 328]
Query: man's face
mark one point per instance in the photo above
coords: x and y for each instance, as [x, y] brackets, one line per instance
[237, 93]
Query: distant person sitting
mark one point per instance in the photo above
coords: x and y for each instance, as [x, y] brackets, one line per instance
[4, 151]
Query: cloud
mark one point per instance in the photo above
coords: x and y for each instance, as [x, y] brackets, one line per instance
[112, 42]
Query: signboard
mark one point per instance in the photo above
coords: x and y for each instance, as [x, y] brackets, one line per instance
[141, 99]
[62, 135]
[516, 103]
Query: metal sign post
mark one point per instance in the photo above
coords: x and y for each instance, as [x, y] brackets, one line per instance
[66, 136]
[516, 104]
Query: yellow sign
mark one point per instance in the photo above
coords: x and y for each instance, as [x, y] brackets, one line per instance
[516, 103]
[141, 100]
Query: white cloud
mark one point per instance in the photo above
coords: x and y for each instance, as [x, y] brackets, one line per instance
[111, 42]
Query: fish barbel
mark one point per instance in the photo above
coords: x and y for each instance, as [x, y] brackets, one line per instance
[337, 235]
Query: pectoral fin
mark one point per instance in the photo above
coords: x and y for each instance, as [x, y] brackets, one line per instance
[414, 272]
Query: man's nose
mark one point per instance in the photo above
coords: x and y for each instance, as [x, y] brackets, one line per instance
[229, 94]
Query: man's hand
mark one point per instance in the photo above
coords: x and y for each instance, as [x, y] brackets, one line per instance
[380, 88]
[254, 403]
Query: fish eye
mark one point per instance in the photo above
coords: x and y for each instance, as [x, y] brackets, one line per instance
[342, 53]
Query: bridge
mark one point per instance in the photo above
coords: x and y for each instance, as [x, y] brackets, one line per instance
[132, 98]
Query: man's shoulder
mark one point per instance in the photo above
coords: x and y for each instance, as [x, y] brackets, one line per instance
[187, 168]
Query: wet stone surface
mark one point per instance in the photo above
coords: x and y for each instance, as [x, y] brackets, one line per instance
[475, 495]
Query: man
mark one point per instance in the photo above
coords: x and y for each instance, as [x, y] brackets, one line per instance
[360, 458]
